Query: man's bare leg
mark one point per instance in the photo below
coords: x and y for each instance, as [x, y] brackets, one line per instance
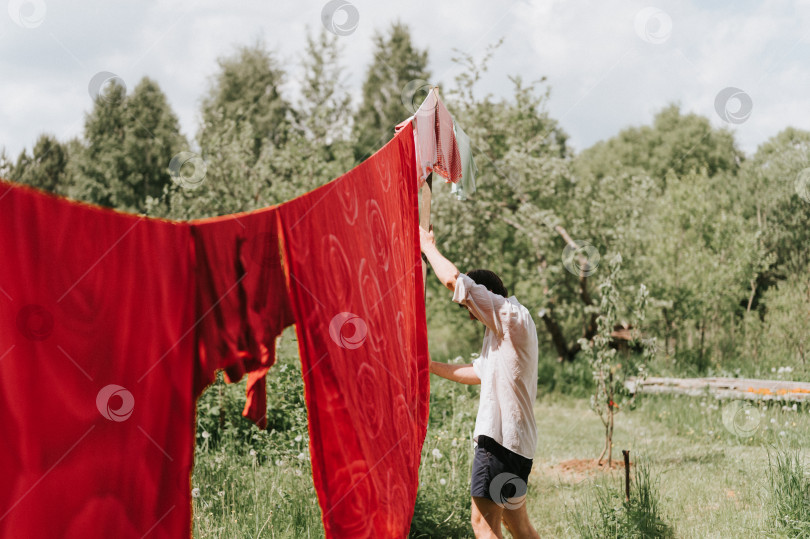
[486, 518]
[518, 524]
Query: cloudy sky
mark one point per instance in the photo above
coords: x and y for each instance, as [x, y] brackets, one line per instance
[610, 64]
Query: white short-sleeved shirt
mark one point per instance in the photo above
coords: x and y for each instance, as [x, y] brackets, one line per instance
[507, 367]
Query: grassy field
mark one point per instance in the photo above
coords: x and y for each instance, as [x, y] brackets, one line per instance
[709, 481]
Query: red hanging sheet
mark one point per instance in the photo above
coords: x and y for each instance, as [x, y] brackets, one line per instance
[355, 279]
[96, 370]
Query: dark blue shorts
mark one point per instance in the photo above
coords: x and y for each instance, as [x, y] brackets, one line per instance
[499, 474]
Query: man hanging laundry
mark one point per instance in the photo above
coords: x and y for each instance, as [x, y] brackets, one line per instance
[505, 431]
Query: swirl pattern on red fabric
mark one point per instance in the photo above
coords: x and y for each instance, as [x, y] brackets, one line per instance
[371, 398]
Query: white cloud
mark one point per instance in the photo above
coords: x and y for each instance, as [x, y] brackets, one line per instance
[603, 76]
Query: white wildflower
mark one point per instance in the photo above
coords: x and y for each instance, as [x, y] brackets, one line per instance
[298, 438]
[205, 435]
[301, 456]
[195, 493]
[442, 482]
[252, 452]
[436, 454]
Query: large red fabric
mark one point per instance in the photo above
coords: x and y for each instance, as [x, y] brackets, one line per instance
[112, 324]
[355, 278]
[96, 397]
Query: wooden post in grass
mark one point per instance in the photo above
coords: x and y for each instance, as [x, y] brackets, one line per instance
[626, 454]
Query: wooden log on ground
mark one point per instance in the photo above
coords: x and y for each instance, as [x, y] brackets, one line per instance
[724, 388]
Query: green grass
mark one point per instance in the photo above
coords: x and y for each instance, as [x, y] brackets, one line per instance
[611, 515]
[789, 501]
[708, 482]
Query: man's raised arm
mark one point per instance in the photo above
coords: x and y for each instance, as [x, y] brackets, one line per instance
[445, 270]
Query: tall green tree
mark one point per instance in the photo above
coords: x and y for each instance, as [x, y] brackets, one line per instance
[45, 168]
[700, 254]
[129, 143]
[396, 63]
[100, 166]
[324, 109]
[6, 165]
[772, 200]
[670, 198]
[246, 126]
[675, 144]
[245, 97]
[319, 146]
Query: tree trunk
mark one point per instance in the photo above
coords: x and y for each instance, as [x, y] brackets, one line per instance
[605, 448]
[702, 337]
[751, 297]
[557, 337]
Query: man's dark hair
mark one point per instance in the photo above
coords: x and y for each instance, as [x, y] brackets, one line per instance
[489, 279]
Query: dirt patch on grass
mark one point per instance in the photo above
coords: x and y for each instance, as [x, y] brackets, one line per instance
[577, 470]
